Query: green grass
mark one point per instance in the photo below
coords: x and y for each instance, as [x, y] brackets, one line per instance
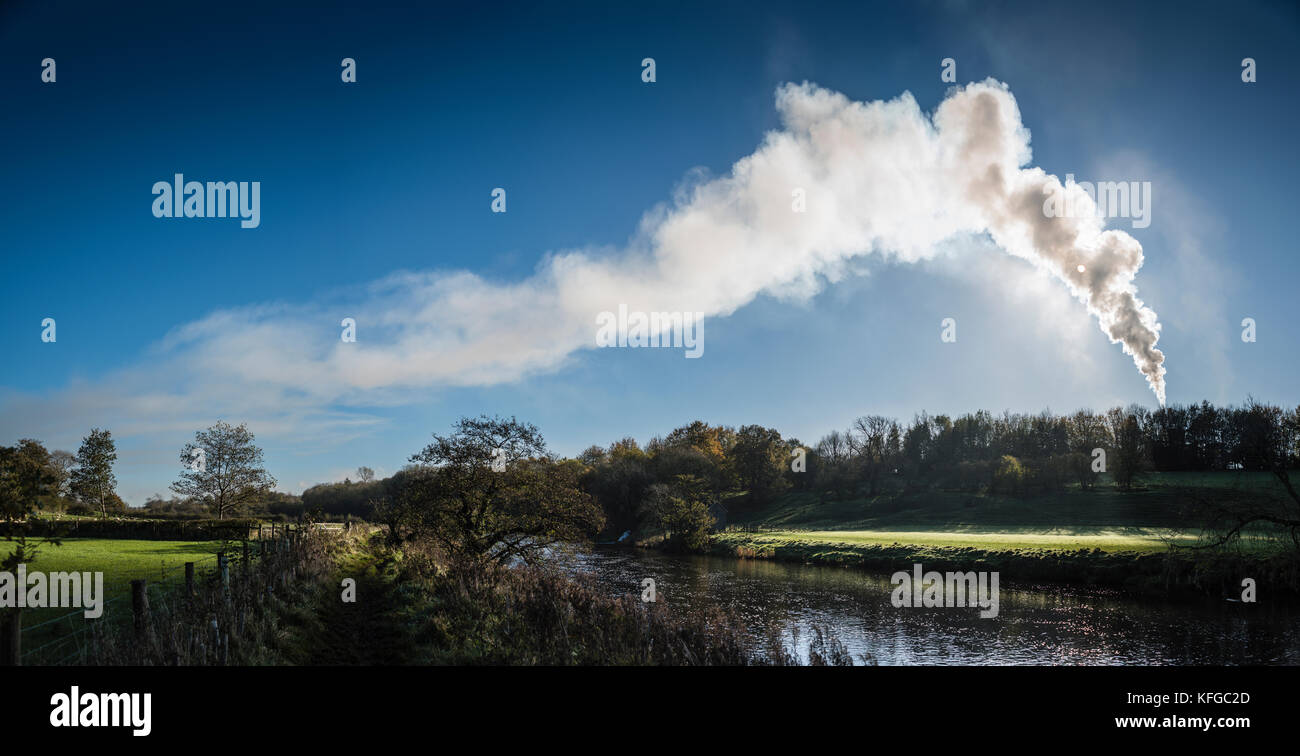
[1154, 508]
[1102, 536]
[1129, 563]
[1144, 520]
[1141, 541]
[121, 561]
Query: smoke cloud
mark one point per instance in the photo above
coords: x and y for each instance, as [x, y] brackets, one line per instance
[879, 178]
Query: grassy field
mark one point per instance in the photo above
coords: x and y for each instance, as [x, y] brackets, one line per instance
[1126, 540]
[121, 561]
[1099, 518]
[1125, 561]
[1103, 535]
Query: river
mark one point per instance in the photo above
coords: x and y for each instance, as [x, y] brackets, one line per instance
[1036, 625]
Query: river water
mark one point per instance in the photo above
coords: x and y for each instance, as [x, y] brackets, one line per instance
[1035, 625]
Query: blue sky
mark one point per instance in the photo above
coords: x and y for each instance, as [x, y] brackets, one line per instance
[392, 175]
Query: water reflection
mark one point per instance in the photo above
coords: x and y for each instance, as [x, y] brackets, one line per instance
[1040, 625]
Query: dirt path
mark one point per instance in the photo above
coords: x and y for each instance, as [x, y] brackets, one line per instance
[365, 632]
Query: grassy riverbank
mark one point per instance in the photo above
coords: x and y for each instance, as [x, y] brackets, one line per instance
[1133, 540]
[414, 608]
[1128, 540]
[1146, 570]
[1160, 502]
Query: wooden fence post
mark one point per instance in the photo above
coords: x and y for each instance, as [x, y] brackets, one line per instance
[140, 607]
[245, 558]
[224, 569]
[189, 579]
[11, 638]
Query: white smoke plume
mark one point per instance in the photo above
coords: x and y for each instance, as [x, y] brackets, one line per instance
[880, 178]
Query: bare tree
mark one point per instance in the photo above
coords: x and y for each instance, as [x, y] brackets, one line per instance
[365, 474]
[833, 447]
[869, 434]
[1270, 438]
[1129, 457]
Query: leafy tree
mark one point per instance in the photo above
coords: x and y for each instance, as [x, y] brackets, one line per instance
[618, 479]
[62, 463]
[711, 440]
[345, 498]
[682, 508]
[490, 492]
[1009, 475]
[34, 472]
[759, 460]
[697, 449]
[591, 456]
[223, 469]
[671, 460]
[26, 475]
[799, 480]
[93, 480]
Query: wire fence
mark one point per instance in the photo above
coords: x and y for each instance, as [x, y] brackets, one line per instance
[44, 640]
[141, 616]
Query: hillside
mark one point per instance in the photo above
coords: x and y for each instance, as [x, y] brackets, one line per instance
[1158, 504]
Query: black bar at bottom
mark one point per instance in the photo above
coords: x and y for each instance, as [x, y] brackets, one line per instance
[931, 704]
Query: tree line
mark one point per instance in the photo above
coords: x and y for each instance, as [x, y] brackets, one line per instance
[1021, 453]
[701, 468]
[685, 482]
[34, 478]
[222, 474]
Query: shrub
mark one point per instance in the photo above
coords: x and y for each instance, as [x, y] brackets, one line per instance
[1009, 476]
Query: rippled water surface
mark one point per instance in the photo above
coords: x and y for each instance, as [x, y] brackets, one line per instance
[1037, 625]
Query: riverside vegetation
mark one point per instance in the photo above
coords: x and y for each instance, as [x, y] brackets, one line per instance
[455, 567]
[457, 574]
